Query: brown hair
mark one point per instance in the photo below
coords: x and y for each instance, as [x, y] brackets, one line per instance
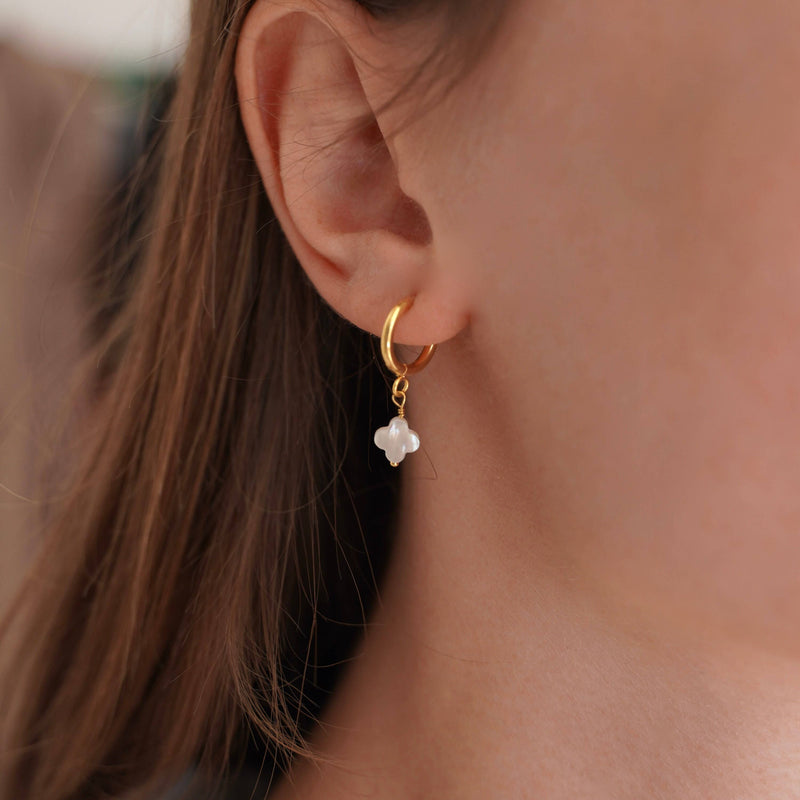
[217, 531]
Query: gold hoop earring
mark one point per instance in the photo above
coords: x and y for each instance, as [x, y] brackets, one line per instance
[397, 439]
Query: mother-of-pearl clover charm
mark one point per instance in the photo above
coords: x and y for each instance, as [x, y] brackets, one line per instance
[397, 439]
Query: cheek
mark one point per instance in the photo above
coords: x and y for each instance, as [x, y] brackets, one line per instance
[632, 209]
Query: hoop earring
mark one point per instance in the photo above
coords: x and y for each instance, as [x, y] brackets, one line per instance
[397, 439]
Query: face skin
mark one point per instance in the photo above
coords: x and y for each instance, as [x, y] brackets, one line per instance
[630, 219]
[596, 590]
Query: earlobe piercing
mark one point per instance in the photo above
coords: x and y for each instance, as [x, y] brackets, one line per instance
[397, 439]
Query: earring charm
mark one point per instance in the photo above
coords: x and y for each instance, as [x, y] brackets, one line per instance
[396, 439]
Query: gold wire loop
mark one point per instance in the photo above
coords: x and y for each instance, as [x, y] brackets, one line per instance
[394, 364]
[400, 386]
[399, 389]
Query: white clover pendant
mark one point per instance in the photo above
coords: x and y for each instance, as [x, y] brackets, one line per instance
[396, 440]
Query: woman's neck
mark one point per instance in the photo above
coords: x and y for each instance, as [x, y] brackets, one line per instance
[489, 668]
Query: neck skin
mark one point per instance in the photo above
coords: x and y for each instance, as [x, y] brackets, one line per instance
[489, 669]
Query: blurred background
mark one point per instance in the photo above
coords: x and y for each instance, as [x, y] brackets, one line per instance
[76, 96]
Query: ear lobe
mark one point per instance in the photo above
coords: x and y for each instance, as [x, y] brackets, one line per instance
[329, 172]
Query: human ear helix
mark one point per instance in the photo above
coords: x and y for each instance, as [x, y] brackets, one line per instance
[397, 439]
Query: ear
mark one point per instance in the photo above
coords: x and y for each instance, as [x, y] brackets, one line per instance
[308, 109]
